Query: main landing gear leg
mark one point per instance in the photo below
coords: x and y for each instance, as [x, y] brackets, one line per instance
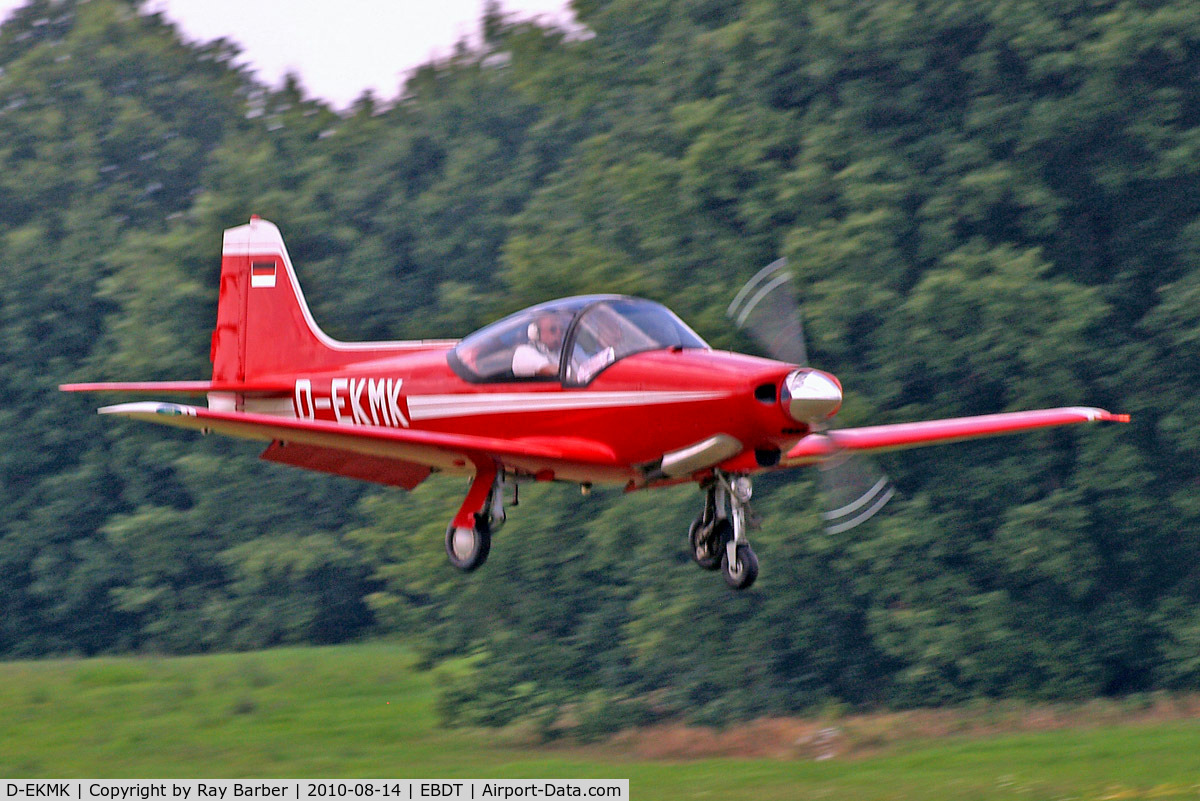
[710, 530]
[718, 539]
[469, 536]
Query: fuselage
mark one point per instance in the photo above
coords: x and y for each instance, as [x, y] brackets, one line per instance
[639, 408]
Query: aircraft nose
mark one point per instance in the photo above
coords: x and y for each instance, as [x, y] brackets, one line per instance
[810, 395]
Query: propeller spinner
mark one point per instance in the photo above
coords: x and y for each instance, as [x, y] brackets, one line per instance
[810, 396]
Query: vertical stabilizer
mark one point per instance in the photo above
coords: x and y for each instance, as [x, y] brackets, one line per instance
[264, 327]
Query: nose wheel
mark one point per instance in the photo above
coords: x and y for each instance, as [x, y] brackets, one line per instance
[717, 540]
[741, 570]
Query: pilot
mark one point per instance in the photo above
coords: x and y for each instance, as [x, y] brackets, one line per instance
[539, 356]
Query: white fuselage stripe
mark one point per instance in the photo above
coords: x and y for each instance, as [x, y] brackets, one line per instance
[433, 407]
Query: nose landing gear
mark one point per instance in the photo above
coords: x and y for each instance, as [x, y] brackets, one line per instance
[717, 539]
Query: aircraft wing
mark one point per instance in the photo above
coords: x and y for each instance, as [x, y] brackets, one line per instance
[817, 446]
[397, 456]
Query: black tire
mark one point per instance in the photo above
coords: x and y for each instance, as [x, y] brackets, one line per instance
[706, 550]
[742, 574]
[468, 548]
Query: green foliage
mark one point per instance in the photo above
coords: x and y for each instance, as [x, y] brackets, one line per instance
[986, 207]
[358, 711]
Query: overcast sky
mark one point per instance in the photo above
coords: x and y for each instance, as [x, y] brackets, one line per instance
[338, 47]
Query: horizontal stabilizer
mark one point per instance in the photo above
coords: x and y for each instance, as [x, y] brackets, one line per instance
[180, 387]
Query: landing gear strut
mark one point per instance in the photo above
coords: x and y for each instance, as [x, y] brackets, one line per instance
[718, 539]
[469, 535]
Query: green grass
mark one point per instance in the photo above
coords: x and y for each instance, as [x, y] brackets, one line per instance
[362, 711]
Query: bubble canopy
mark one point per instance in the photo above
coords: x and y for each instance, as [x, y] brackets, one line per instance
[570, 340]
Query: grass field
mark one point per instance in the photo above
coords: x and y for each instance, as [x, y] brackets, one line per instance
[362, 711]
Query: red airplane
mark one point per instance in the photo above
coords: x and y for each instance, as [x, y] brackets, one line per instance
[599, 389]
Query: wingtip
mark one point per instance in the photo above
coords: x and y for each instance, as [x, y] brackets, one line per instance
[1093, 414]
[149, 407]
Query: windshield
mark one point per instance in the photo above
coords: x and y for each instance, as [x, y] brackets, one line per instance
[596, 331]
[613, 329]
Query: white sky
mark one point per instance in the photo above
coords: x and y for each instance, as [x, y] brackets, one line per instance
[338, 47]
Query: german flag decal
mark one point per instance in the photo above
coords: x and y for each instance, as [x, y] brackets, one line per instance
[262, 273]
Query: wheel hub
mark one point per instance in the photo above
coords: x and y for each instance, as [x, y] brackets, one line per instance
[463, 542]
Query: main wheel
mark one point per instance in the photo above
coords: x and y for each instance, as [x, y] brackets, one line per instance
[468, 548]
[707, 543]
[742, 573]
